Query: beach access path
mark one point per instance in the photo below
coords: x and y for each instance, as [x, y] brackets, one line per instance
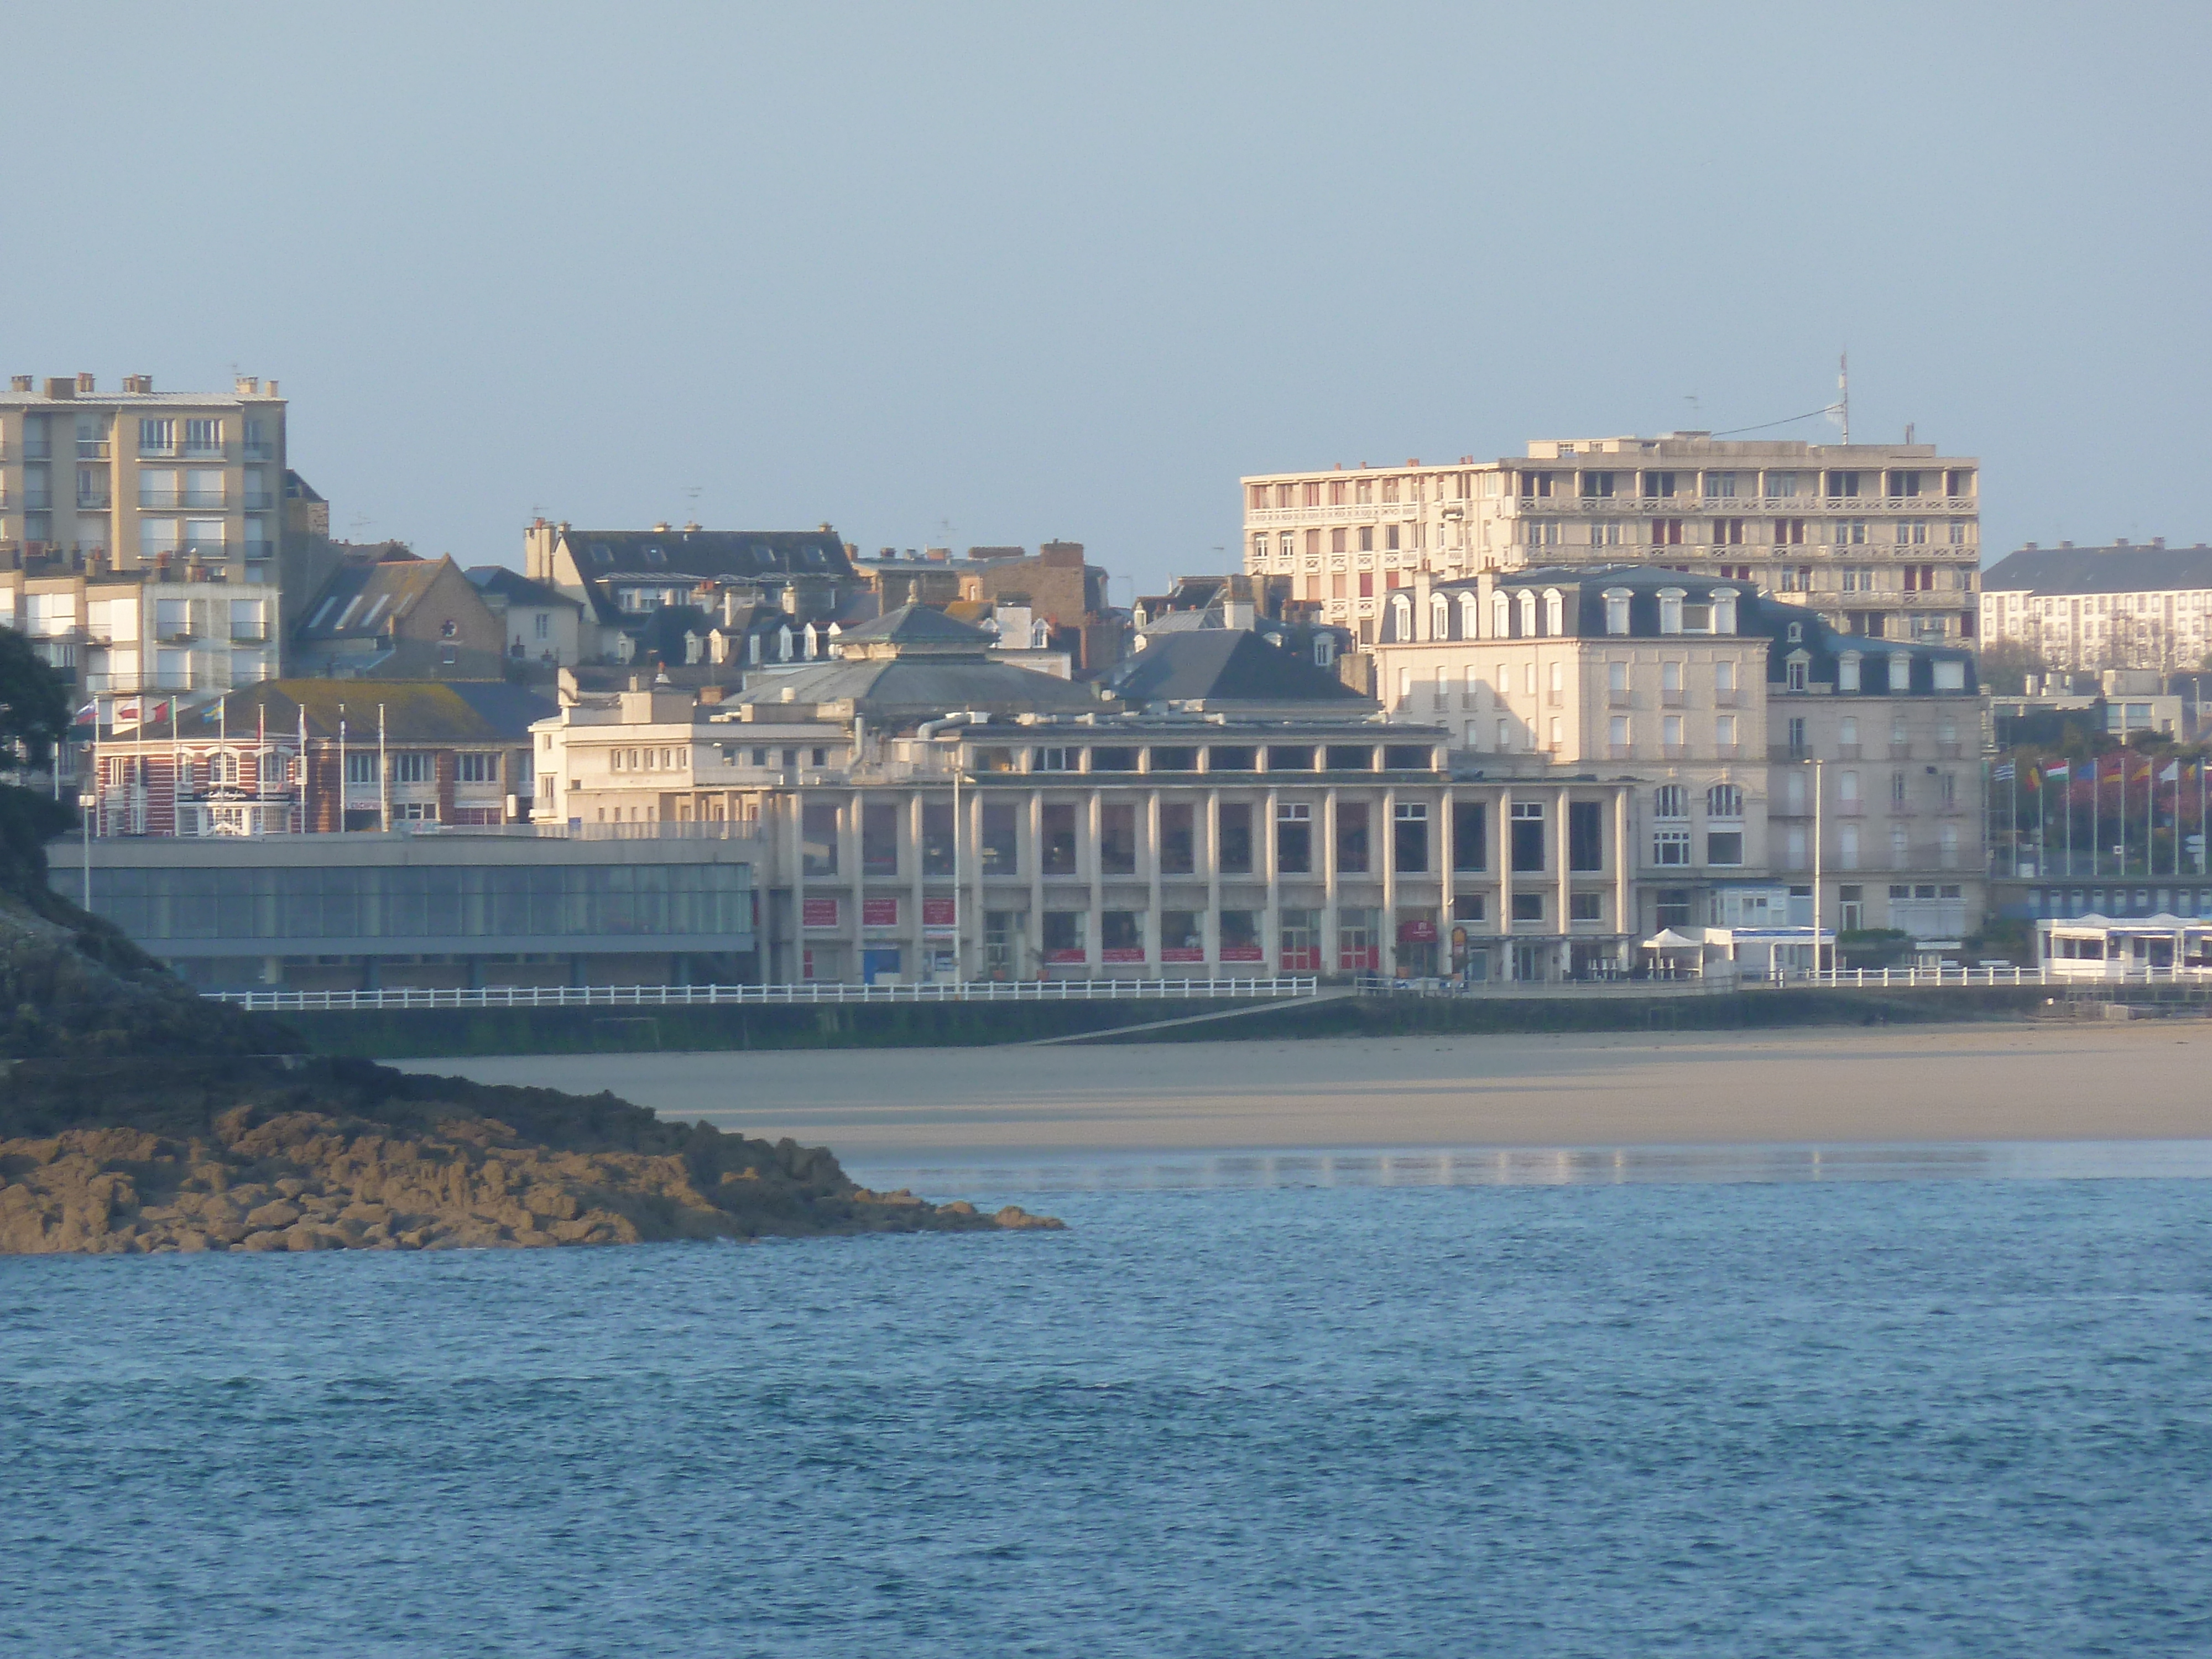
[2136, 1080]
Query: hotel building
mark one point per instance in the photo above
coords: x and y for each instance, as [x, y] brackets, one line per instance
[1878, 539]
[2082, 610]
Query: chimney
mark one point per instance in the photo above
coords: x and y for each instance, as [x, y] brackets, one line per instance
[61, 387]
[2119, 541]
[1420, 601]
[272, 388]
[2158, 540]
[85, 384]
[247, 385]
[19, 383]
[139, 385]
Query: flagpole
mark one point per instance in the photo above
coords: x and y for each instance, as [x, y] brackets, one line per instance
[305, 823]
[2096, 817]
[342, 767]
[2015, 825]
[383, 777]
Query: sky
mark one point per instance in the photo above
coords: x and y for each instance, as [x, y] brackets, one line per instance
[964, 274]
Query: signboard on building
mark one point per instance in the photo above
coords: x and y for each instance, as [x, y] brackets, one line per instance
[819, 913]
[1242, 953]
[1122, 953]
[1417, 933]
[940, 914]
[1181, 953]
[879, 912]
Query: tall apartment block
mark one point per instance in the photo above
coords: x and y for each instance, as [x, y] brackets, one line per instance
[136, 480]
[1879, 539]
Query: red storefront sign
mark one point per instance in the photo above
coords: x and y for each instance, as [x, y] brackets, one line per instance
[1182, 953]
[819, 913]
[1417, 933]
[878, 913]
[940, 913]
[1242, 953]
[1077, 955]
[1122, 953]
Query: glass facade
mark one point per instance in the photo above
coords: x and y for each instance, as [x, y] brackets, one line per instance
[485, 901]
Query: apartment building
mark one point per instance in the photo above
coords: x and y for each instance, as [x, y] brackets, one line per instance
[647, 594]
[926, 812]
[139, 480]
[1754, 738]
[1880, 540]
[2084, 610]
[131, 632]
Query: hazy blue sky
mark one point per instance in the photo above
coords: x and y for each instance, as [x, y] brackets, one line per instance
[1037, 270]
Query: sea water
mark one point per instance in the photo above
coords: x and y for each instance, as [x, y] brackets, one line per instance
[1288, 1415]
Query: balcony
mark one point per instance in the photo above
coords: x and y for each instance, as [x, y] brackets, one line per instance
[1620, 751]
[1847, 751]
[37, 500]
[1725, 750]
[1672, 699]
[1617, 698]
[249, 633]
[1724, 697]
[1674, 751]
[259, 500]
[181, 498]
[204, 451]
[94, 500]
[254, 451]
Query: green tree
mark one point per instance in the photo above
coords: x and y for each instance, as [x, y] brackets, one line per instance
[34, 710]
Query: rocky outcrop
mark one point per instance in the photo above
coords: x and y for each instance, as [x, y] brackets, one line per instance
[313, 1181]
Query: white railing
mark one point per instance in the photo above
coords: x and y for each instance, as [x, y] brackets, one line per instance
[2056, 978]
[692, 996]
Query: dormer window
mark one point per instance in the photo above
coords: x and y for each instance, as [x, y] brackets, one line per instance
[1468, 623]
[1724, 609]
[1501, 617]
[1795, 671]
[1439, 617]
[1900, 671]
[1525, 602]
[1670, 609]
[655, 555]
[602, 554]
[1401, 617]
[1950, 676]
[1847, 672]
[1616, 610]
[1796, 632]
[1555, 612]
[1324, 650]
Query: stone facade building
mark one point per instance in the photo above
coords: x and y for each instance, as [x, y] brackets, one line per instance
[2084, 610]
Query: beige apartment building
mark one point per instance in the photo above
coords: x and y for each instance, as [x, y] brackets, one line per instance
[137, 479]
[2085, 610]
[1754, 738]
[1878, 539]
[118, 634]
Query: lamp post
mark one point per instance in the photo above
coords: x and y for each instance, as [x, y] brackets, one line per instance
[87, 804]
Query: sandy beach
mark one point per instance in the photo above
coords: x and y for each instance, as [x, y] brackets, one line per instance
[1980, 1083]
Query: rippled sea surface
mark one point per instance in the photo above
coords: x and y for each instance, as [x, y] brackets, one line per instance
[1739, 1415]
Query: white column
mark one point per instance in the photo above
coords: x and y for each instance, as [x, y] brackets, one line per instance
[1152, 939]
[1625, 919]
[1331, 889]
[1564, 885]
[1504, 855]
[914, 929]
[1094, 943]
[1385, 854]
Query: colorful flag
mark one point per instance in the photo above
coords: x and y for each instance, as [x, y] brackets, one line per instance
[2004, 774]
[126, 712]
[2064, 770]
[2170, 772]
[87, 714]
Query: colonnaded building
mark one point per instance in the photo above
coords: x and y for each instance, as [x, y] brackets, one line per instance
[1879, 539]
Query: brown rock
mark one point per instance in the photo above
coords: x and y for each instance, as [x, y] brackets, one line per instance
[273, 1215]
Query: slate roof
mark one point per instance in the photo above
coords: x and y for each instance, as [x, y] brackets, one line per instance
[415, 711]
[919, 688]
[917, 624]
[515, 587]
[364, 599]
[2099, 570]
[1224, 666]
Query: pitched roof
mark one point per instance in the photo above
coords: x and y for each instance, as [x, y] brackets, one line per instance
[516, 588]
[919, 687]
[415, 711]
[1224, 666]
[918, 624]
[706, 554]
[363, 598]
[2099, 570]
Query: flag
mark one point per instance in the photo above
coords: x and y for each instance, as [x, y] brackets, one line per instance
[126, 712]
[2004, 774]
[2170, 772]
[2064, 769]
[87, 714]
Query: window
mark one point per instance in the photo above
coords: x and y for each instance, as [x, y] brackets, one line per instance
[1064, 936]
[1898, 789]
[1724, 677]
[1950, 676]
[1409, 838]
[1178, 848]
[1057, 857]
[413, 766]
[1586, 907]
[1900, 671]
[1117, 840]
[1585, 835]
[1528, 823]
[937, 848]
[1121, 936]
[1294, 839]
[1617, 736]
[1670, 609]
[1240, 936]
[1899, 851]
[1671, 906]
[817, 840]
[1235, 824]
[1555, 612]
[1528, 906]
[1470, 822]
[1793, 674]
[1847, 847]
[1795, 730]
[1351, 846]
[1724, 732]
[1670, 733]
[1724, 800]
[477, 768]
[1001, 840]
[203, 437]
[1847, 672]
[1052, 760]
[879, 839]
[1616, 678]
[1724, 847]
[1670, 800]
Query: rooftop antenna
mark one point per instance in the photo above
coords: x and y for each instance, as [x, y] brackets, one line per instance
[1844, 392]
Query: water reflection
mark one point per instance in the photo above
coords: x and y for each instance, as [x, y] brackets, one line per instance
[1561, 1166]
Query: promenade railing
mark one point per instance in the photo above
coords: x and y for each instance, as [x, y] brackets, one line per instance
[701, 996]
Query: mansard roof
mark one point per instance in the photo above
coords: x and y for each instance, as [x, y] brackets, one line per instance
[2127, 569]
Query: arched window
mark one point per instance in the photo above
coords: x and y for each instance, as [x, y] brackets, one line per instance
[1501, 617]
[1469, 618]
[1724, 609]
[1555, 612]
[1670, 611]
[1528, 616]
[1724, 800]
[1670, 800]
[1401, 617]
[1439, 617]
[1616, 610]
